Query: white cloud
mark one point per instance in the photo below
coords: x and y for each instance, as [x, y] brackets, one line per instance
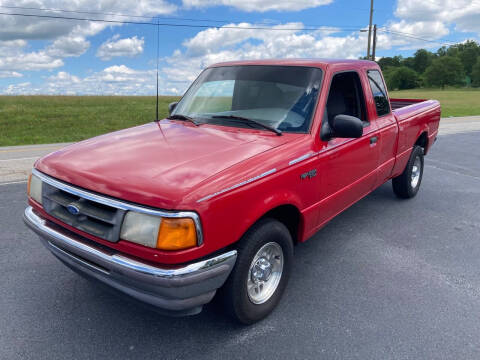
[259, 5]
[205, 48]
[12, 44]
[9, 74]
[424, 29]
[411, 35]
[67, 46]
[224, 44]
[17, 89]
[69, 38]
[114, 80]
[464, 14]
[115, 47]
[64, 77]
[37, 60]
[13, 58]
[17, 27]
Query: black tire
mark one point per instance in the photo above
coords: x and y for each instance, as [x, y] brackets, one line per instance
[402, 184]
[234, 293]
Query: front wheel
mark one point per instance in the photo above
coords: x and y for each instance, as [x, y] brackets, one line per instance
[406, 185]
[261, 273]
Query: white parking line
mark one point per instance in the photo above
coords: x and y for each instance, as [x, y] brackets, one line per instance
[25, 158]
[13, 182]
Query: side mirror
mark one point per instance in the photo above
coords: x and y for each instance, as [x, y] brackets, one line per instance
[346, 126]
[172, 107]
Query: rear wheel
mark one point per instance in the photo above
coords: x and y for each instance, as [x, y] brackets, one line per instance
[406, 185]
[261, 273]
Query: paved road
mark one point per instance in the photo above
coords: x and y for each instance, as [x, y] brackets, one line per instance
[387, 279]
[16, 161]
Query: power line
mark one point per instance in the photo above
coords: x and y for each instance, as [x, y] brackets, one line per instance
[451, 42]
[152, 23]
[410, 36]
[73, 11]
[106, 13]
[142, 16]
[174, 24]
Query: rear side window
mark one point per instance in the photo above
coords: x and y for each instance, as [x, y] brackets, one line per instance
[379, 92]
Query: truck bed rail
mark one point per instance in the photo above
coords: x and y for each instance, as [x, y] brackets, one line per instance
[400, 103]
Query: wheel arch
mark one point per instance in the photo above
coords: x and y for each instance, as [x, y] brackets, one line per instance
[290, 216]
[422, 141]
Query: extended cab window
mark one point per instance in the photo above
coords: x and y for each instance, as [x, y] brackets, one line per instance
[346, 97]
[280, 97]
[379, 92]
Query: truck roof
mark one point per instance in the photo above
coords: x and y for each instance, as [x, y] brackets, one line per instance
[300, 62]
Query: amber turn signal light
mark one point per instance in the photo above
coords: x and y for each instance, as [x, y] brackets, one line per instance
[29, 184]
[176, 234]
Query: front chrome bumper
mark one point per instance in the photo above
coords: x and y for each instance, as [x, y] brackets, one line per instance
[179, 291]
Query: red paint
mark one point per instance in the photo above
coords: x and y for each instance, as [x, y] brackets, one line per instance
[172, 164]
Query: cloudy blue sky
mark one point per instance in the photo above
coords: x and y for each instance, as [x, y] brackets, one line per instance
[55, 56]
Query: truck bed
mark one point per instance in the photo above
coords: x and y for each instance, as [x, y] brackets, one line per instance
[400, 103]
[405, 109]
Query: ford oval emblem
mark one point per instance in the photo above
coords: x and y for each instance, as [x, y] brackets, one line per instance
[73, 209]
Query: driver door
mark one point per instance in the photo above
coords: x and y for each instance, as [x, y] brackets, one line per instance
[348, 166]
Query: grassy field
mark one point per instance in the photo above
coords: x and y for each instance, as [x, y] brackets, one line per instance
[455, 102]
[49, 119]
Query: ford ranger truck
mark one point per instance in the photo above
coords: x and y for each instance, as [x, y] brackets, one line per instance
[256, 157]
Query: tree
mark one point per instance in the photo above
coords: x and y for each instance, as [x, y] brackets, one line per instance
[401, 78]
[442, 51]
[476, 74]
[386, 62]
[446, 70]
[408, 62]
[468, 52]
[421, 60]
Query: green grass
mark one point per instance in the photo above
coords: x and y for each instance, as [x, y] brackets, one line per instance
[50, 119]
[215, 104]
[455, 102]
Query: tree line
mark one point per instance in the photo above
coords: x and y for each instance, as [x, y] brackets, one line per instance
[456, 65]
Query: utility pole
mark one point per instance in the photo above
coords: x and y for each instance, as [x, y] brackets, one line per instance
[374, 41]
[370, 29]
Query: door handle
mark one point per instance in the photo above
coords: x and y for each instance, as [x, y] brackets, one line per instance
[373, 140]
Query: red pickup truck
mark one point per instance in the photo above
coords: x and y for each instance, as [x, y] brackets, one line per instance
[256, 157]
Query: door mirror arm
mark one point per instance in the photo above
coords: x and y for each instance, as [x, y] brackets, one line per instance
[326, 132]
[172, 107]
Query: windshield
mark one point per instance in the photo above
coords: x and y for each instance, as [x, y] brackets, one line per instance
[280, 97]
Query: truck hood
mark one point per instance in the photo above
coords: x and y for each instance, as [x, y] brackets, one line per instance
[155, 164]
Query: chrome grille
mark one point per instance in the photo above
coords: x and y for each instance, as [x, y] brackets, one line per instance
[93, 218]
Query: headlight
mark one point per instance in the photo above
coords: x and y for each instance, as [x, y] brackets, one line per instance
[157, 232]
[34, 188]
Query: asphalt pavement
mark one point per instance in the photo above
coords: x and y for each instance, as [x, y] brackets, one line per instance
[386, 279]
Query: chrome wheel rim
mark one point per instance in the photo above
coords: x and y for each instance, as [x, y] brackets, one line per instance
[416, 169]
[265, 273]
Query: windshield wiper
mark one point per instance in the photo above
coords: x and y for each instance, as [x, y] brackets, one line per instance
[250, 121]
[183, 117]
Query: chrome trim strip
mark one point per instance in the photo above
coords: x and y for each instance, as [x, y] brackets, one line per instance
[309, 155]
[266, 173]
[123, 261]
[120, 204]
[301, 158]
